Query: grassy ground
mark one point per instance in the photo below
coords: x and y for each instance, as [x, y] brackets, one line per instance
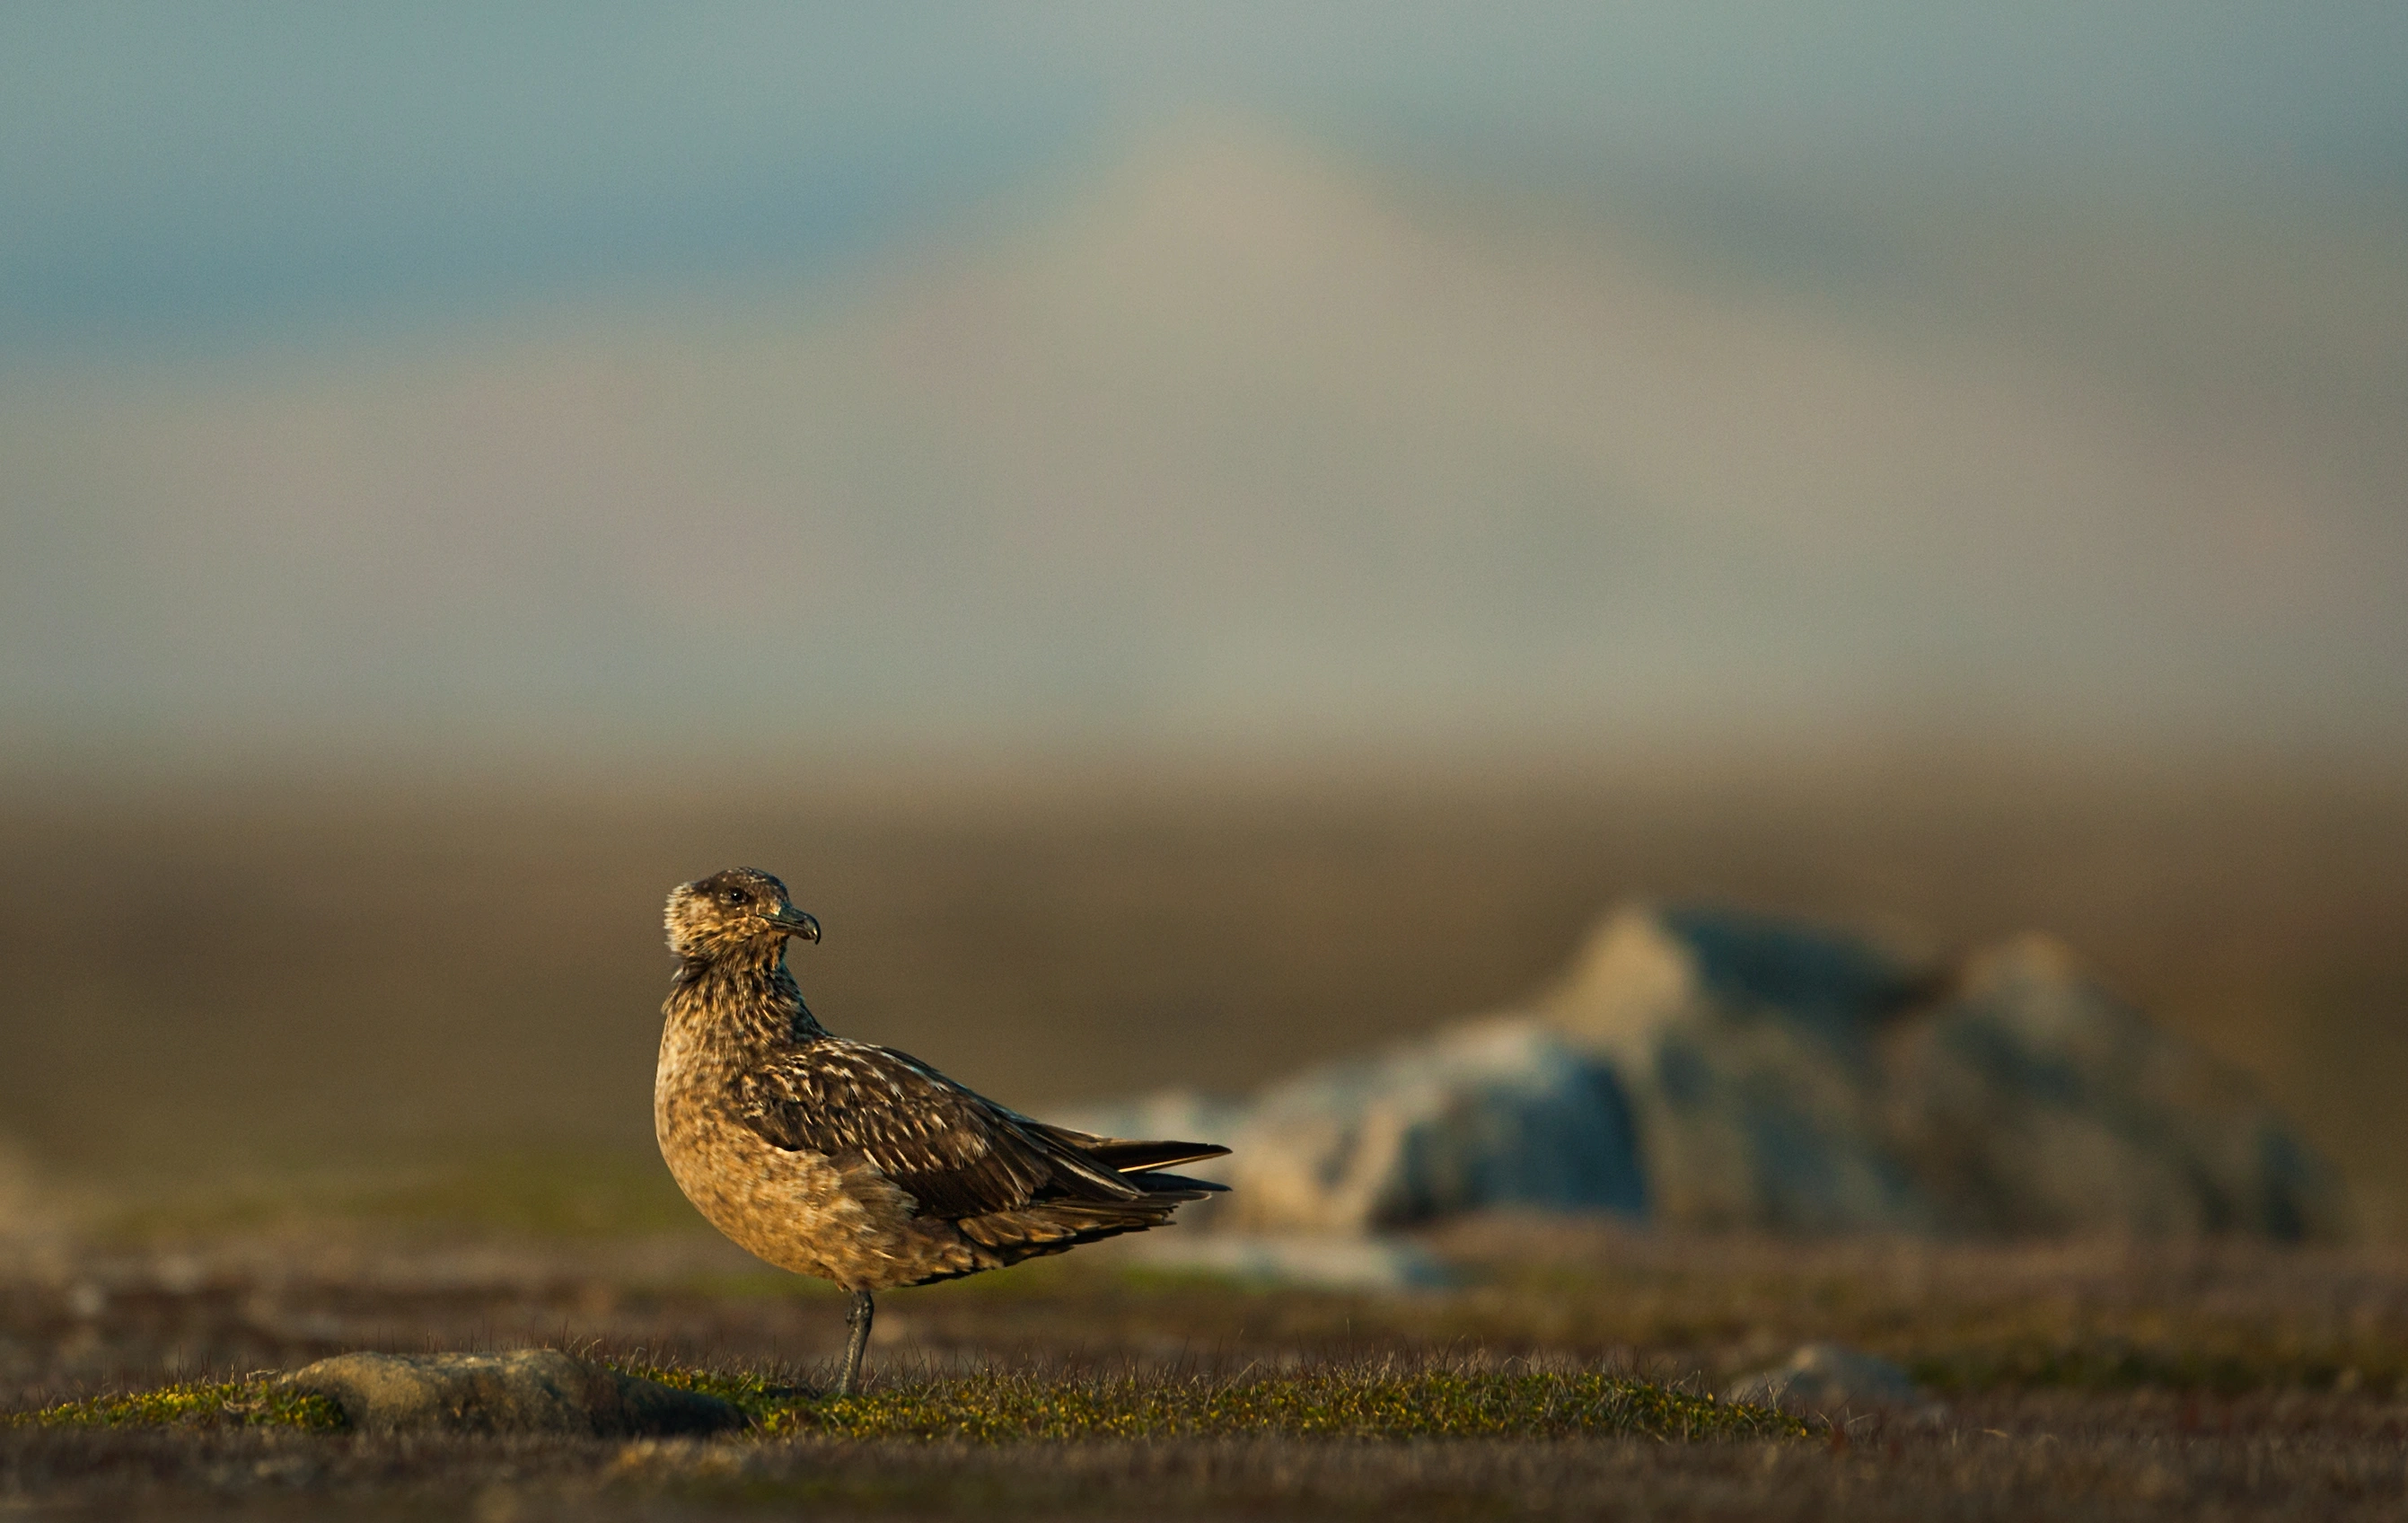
[470, 983]
[1563, 1375]
[1381, 1400]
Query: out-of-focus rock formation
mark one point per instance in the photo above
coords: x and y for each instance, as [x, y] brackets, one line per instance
[1707, 1068]
[1749, 1050]
[1502, 1112]
[2033, 1100]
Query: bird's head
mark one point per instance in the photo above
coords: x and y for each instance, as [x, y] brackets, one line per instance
[741, 910]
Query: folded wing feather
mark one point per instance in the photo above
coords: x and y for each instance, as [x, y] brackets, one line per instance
[958, 1153]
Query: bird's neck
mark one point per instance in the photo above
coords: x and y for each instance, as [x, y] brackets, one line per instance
[746, 994]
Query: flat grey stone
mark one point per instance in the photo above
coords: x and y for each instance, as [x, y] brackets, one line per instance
[1327, 1262]
[525, 1390]
[1819, 1373]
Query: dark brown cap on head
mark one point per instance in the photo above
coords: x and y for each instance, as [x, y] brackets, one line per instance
[739, 909]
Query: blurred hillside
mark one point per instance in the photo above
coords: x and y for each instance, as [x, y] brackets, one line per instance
[1243, 444]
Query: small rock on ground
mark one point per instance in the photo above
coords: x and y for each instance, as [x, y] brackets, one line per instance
[526, 1391]
[1326, 1262]
[1825, 1375]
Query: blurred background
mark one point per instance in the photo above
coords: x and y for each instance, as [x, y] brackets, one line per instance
[1195, 538]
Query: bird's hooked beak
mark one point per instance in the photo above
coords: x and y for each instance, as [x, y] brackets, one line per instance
[795, 921]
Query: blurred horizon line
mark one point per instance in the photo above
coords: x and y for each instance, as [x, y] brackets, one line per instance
[861, 770]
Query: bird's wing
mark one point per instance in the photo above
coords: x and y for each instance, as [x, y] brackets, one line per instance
[956, 1152]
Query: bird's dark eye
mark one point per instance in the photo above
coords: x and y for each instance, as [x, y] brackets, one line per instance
[733, 896]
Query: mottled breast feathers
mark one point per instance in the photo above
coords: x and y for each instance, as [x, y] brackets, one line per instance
[956, 1152]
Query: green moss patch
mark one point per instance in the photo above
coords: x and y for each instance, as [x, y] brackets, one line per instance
[1368, 1402]
[1327, 1403]
[256, 1401]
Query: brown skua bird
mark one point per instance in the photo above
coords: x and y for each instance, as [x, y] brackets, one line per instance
[856, 1163]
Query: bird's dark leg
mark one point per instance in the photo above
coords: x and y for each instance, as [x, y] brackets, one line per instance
[858, 1320]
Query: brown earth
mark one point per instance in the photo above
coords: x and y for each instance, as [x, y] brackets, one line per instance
[2075, 1381]
[265, 979]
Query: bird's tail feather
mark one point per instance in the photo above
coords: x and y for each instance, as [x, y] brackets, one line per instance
[1129, 1154]
[1176, 1187]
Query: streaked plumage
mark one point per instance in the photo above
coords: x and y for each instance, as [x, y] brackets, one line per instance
[856, 1163]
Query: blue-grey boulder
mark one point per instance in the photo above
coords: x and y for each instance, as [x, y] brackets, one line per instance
[1787, 1076]
[1709, 1068]
[1489, 1114]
